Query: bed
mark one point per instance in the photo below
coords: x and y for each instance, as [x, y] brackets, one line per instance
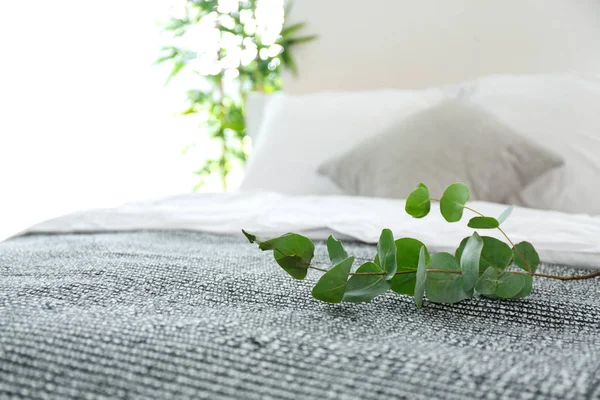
[167, 299]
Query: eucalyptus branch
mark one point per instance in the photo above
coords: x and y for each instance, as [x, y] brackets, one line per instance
[563, 278]
[480, 265]
[501, 231]
[413, 271]
[405, 272]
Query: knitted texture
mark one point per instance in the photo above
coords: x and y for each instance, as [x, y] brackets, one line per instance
[189, 315]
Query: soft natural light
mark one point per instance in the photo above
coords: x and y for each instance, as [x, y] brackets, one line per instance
[85, 118]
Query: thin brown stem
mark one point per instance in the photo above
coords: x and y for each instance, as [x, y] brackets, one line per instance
[503, 233]
[412, 271]
[475, 211]
[404, 272]
[516, 249]
[563, 278]
[507, 238]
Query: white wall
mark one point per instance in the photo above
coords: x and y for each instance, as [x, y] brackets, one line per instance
[85, 119]
[420, 43]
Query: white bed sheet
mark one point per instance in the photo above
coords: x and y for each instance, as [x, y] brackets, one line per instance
[560, 238]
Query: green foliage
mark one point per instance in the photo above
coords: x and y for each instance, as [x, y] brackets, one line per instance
[364, 288]
[487, 282]
[526, 291]
[292, 252]
[418, 203]
[332, 286]
[483, 223]
[386, 253]
[336, 250]
[509, 285]
[453, 201]
[481, 264]
[526, 257]
[407, 259]
[505, 214]
[446, 286]
[218, 100]
[469, 261]
[495, 253]
[421, 278]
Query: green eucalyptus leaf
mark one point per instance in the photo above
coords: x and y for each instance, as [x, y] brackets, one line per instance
[292, 252]
[386, 251]
[495, 253]
[177, 67]
[332, 285]
[364, 288]
[421, 278]
[443, 287]
[525, 250]
[407, 259]
[251, 238]
[526, 291]
[302, 39]
[418, 203]
[483, 223]
[509, 285]
[288, 61]
[453, 201]
[487, 282]
[289, 30]
[469, 261]
[336, 250]
[505, 214]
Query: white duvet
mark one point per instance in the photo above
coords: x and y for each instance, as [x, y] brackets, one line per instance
[560, 238]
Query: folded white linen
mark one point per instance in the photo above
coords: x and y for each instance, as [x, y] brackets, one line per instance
[560, 238]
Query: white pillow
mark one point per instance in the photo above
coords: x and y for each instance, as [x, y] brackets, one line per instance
[299, 133]
[255, 106]
[563, 114]
[449, 142]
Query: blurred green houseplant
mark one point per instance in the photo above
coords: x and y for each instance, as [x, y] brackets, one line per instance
[234, 47]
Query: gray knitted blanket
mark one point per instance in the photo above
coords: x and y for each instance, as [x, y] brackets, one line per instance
[188, 315]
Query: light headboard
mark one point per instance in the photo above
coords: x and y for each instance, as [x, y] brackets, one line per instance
[412, 44]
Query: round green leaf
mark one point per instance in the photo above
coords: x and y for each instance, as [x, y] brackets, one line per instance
[509, 285]
[526, 291]
[469, 261]
[251, 238]
[294, 265]
[487, 282]
[332, 285]
[420, 279]
[292, 252]
[407, 258]
[418, 203]
[365, 288]
[443, 287]
[495, 253]
[483, 223]
[525, 250]
[453, 201]
[336, 250]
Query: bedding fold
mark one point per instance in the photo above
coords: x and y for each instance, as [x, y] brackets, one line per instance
[560, 238]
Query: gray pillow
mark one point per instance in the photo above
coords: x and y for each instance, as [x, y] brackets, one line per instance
[451, 142]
